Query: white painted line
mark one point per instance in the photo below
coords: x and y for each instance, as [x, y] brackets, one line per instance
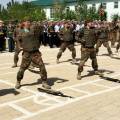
[90, 82]
[53, 98]
[41, 94]
[42, 102]
[16, 101]
[47, 66]
[78, 90]
[31, 91]
[6, 82]
[18, 108]
[46, 96]
[68, 102]
[5, 64]
[101, 85]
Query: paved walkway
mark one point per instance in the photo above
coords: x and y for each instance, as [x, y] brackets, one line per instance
[94, 98]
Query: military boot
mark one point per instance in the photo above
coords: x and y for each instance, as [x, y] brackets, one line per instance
[79, 76]
[45, 85]
[98, 73]
[18, 85]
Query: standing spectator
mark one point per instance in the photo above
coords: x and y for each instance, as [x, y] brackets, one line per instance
[10, 30]
[51, 33]
[2, 36]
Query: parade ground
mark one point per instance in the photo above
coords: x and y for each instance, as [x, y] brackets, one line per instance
[91, 98]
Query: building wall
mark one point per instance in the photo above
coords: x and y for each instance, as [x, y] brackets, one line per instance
[109, 7]
[47, 11]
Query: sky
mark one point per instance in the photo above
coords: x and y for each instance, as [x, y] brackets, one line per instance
[4, 2]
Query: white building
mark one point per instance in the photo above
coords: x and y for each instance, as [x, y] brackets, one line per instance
[112, 7]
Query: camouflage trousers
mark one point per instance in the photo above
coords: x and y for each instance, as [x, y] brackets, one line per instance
[16, 54]
[118, 45]
[87, 53]
[105, 44]
[113, 38]
[63, 47]
[34, 57]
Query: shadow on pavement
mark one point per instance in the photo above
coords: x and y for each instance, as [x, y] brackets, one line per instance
[117, 58]
[110, 79]
[91, 73]
[8, 91]
[53, 92]
[51, 81]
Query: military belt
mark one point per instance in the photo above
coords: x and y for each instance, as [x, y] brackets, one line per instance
[88, 49]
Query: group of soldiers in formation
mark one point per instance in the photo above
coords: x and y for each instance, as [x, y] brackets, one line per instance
[28, 36]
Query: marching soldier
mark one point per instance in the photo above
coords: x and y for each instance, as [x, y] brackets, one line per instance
[88, 40]
[114, 29]
[29, 38]
[66, 36]
[103, 38]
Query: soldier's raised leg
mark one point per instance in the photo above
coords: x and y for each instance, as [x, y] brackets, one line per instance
[61, 50]
[16, 58]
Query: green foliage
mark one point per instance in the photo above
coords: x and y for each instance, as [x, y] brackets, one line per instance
[81, 13]
[82, 10]
[59, 9]
[17, 11]
[69, 15]
[115, 17]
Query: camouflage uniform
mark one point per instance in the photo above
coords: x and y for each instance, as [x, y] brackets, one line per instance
[88, 42]
[103, 39]
[18, 48]
[30, 44]
[114, 34]
[66, 36]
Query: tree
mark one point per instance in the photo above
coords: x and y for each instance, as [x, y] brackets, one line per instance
[17, 11]
[59, 9]
[81, 11]
[102, 13]
[115, 17]
[69, 14]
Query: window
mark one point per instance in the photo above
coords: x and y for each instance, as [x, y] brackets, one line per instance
[115, 4]
[104, 5]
